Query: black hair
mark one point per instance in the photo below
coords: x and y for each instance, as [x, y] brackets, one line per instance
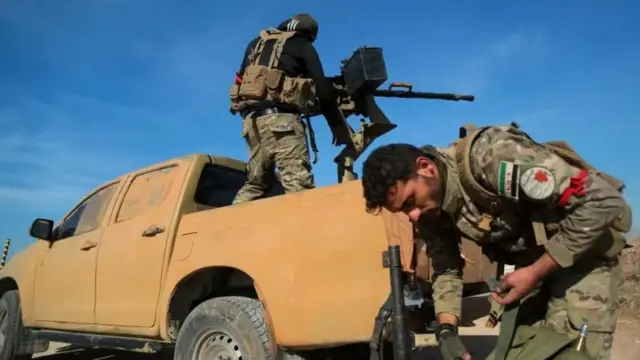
[383, 168]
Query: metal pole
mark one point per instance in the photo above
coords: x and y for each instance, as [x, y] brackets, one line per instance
[401, 336]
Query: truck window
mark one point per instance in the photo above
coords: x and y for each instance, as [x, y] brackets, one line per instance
[88, 215]
[218, 185]
[146, 191]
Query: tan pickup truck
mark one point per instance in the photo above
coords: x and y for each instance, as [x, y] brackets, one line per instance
[158, 258]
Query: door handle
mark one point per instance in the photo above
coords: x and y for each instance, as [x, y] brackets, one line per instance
[89, 244]
[153, 230]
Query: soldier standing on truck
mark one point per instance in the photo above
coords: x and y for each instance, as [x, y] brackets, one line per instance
[538, 205]
[279, 78]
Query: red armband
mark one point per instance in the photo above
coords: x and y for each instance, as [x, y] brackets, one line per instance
[576, 188]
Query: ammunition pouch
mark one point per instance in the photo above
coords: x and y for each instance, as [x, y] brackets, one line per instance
[263, 81]
[260, 83]
[255, 80]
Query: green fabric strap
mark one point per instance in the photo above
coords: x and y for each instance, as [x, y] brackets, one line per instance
[507, 330]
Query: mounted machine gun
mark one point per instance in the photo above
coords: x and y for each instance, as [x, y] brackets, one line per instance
[356, 88]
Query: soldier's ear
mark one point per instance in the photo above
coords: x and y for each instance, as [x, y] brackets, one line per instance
[425, 166]
[421, 162]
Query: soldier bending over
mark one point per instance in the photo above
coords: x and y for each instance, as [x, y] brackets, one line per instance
[539, 206]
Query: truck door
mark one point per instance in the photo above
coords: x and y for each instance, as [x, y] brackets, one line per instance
[66, 272]
[133, 253]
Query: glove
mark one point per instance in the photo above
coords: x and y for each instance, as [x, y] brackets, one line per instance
[453, 349]
[451, 346]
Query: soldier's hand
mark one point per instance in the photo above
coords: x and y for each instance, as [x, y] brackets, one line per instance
[514, 286]
[452, 348]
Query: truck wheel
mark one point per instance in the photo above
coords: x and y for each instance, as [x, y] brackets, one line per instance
[225, 328]
[10, 326]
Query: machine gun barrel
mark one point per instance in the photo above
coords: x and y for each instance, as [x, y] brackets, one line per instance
[422, 95]
[410, 94]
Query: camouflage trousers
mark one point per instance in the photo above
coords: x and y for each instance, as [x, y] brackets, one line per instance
[275, 140]
[574, 297]
[586, 297]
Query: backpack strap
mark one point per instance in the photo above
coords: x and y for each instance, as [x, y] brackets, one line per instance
[280, 38]
[490, 203]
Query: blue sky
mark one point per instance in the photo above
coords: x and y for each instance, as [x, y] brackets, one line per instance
[91, 89]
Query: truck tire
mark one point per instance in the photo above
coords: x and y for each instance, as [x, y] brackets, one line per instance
[230, 327]
[10, 326]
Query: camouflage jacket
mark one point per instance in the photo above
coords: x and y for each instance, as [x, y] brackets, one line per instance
[506, 161]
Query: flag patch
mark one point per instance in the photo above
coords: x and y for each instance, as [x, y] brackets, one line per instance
[508, 179]
[538, 183]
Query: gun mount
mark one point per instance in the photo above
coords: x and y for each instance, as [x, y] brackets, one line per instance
[356, 88]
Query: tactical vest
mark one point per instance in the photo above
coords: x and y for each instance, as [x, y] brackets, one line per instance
[262, 81]
[491, 204]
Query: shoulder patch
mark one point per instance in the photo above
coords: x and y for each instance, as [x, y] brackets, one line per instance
[508, 179]
[538, 183]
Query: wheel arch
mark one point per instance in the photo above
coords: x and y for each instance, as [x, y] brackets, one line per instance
[207, 283]
[7, 283]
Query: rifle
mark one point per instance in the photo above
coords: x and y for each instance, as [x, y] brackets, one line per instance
[356, 89]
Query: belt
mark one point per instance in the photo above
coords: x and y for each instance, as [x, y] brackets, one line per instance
[263, 112]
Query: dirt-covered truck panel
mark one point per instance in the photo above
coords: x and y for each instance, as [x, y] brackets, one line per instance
[314, 261]
[63, 274]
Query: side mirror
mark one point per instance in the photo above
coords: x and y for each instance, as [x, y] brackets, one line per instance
[42, 229]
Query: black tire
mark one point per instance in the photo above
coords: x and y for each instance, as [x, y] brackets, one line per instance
[11, 326]
[234, 325]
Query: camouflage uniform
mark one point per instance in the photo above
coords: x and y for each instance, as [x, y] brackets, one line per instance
[275, 140]
[584, 289]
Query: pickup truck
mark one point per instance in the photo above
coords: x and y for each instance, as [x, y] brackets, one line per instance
[159, 258]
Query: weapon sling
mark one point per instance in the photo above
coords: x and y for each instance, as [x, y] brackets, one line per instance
[507, 330]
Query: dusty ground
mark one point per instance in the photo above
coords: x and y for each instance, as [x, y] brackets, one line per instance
[627, 342]
[479, 339]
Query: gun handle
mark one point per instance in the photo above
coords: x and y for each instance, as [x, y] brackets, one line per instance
[401, 85]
